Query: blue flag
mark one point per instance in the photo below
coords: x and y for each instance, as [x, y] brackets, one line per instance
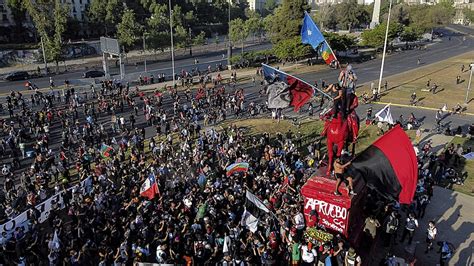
[310, 34]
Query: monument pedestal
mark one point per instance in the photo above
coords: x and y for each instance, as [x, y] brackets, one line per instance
[337, 214]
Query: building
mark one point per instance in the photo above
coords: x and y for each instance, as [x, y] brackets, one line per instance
[256, 4]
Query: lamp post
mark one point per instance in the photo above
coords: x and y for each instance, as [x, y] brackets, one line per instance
[172, 45]
[144, 49]
[469, 84]
[229, 45]
[384, 48]
[190, 42]
[44, 57]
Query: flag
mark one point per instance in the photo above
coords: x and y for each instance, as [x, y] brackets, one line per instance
[236, 168]
[200, 93]
[389, 166]
[149, 188]
[285, 90]
[385, 115]
[310, 33]
[227, 243]
[326, 53]
[469, 156]
[254, 210]
[105, 150]
[55, 243]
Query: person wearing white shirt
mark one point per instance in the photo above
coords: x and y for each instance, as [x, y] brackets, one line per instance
[308, 254]
[430, 235]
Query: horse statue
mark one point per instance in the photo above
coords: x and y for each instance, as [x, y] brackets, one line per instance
[340, 131]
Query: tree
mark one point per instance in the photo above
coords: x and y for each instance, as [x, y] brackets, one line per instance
[200, 39]
[105, 13]
[325, 17]
[375, 37]
[350, 15]
[238, 31]
[49, 18]
[128, 30]
[254, 24]
[291, 49]
[18, 14]
[269, 6]
[469, 14]
[286, 21]
[339, 42]
[410, 34]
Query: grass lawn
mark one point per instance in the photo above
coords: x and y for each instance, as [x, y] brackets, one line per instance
[443, 73]
[465, 166]
[309, 128]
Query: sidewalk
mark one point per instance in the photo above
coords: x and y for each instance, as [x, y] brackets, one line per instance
[453, 213]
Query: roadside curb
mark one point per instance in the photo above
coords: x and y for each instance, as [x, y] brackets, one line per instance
[416, 107]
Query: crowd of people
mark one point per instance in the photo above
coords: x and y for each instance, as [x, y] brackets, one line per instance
[195, 218]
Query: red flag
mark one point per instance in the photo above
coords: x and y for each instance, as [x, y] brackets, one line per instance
[389, 166]
[300, 91]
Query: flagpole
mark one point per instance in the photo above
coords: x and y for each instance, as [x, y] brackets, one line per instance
[384, 48]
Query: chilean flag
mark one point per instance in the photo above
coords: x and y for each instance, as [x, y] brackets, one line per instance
[389, 166]
[149, 188]
[297, 92]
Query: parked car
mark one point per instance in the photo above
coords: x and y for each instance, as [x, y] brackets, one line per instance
[18, 75]
[93, 74]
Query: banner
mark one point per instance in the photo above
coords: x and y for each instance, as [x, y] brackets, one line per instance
[331, 216]
[44, 208]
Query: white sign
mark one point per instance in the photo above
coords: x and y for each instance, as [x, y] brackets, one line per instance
[22, 220]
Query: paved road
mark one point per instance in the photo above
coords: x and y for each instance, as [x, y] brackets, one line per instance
[366, 71]
[211, 58]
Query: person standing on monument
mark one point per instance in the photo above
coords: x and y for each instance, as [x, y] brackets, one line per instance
[339, 172]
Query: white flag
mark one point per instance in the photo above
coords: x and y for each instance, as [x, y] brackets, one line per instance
[249, 221]
[226, 244]
[55, 244]
[385, 115]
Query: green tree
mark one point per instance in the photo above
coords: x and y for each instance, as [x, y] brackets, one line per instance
[286, 21]
[200, 39]
[18, 14]
[269, 6]
[105, 13]
[339, 42]
[469, 14]
[325, 17]
[410, 34]
[238, 31]
[49, 18]
[158, 27]
[375, 37]
[350, 15]
[291, 49]
[254, 25]
[128, 30]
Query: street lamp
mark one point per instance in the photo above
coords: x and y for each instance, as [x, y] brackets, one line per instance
[172, 45]
[229, 45]
[384, 48]
[144, 49]
[190, 42]
[471, 66]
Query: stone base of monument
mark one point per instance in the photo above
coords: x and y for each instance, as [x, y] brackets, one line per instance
[337, 214]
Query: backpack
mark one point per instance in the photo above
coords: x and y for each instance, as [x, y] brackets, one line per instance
[411, 225]
[446, 251]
